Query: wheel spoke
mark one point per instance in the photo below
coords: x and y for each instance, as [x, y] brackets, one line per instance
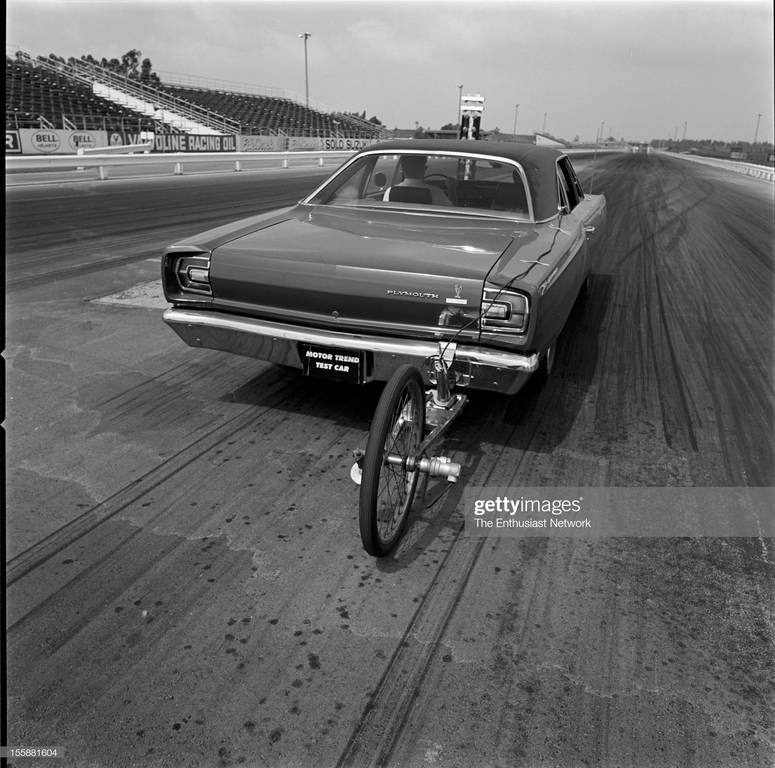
[395, 481]
[388, 487]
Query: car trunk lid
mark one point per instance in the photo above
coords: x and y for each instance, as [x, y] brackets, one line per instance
[368, 269]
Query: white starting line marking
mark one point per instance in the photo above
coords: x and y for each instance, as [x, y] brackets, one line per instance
[149, 295]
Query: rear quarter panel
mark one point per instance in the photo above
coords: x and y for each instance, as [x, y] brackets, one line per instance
[550, 264]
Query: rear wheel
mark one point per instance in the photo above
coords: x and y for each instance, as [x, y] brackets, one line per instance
[387, 485]
[545, 367]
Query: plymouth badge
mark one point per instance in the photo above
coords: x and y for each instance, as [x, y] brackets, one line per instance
[412, 294]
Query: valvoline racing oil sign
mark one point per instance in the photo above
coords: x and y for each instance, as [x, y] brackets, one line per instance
[182, 142]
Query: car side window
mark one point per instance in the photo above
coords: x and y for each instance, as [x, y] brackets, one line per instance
[573, 179]
[569, 183]
[349, 188]
[382, 175]
[566, 195]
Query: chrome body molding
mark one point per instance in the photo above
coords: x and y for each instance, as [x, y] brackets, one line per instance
[481, 367]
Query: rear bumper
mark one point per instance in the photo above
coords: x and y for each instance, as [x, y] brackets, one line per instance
[477, 367]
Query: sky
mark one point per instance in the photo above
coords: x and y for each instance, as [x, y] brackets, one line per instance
[641, 71]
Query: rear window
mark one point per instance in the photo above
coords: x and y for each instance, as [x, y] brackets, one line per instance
[402, 180]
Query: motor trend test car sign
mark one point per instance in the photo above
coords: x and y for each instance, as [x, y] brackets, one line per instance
[336, 364]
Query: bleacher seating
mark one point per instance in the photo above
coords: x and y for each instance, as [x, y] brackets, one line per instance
[33, 92]
[266, 115]
[40, 92]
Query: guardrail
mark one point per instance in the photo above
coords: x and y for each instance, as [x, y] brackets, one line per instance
[105, 159]
[749, 169]
[122, 149]
[176, 159]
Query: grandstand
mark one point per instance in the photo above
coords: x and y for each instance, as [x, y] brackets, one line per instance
[38, 96]
[49, 92]
[272, 115]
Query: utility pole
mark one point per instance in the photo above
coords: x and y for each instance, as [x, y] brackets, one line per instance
[683, 138]
[516, 111]
[756, 134]
[459, 119]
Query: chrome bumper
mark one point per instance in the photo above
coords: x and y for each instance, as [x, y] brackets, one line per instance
[477, 367]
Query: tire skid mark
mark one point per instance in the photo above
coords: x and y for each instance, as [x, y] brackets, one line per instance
[383, 724]
[671, 388]
[120, 542]
[264, 417]
[77, 270]
[131, 617]
[31, 266]
[158, 398]
[675, 370]
[509, 656]
[27, 561]
[183, 368]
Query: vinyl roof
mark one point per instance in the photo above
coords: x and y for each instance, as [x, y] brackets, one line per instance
[508, 149]
[539, 163]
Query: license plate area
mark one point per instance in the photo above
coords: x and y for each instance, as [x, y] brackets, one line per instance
[331, 363]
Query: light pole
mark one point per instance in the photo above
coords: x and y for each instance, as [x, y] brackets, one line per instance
[458, 120]
[594, 164]
[756, 133]
[543, 130]
[516, 111]
[306, 35]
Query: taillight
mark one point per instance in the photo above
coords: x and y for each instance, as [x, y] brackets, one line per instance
[193, 274]
[504, 310]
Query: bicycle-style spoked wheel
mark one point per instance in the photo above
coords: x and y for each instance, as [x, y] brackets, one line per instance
[387, 486]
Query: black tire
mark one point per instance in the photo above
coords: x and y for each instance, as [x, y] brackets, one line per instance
[584, 290]
[545, 367]
[387, 490]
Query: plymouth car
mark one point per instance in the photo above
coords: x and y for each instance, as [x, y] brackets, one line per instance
[477, 248]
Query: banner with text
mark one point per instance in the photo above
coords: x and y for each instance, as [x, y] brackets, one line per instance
[52, 141]
[184, 142]
[331, 144]
[13, 145]
[261, 143]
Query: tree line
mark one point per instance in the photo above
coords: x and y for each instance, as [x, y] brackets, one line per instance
[131, 65]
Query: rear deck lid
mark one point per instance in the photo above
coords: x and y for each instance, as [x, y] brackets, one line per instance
[361, 268]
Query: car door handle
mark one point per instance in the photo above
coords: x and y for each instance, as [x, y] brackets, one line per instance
[589, 229]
